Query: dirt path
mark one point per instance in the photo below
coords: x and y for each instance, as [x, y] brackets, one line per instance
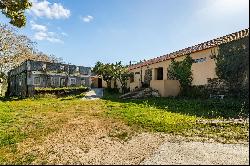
[91, 140]
[94, 94]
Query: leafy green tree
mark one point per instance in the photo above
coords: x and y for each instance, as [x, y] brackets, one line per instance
[14, 9]
[232, 65]
[122, 74]
[181, 70]
[104, 70]
[113, 71]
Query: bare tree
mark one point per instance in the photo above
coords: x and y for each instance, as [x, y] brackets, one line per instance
[15, 49]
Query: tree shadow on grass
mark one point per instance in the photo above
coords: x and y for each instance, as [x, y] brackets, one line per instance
[206, 108]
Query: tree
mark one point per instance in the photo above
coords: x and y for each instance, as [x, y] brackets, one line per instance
[113, 71]
[104, 70]
[14, 9]
[3, 83]
[15, 49]
[122, 74]
[181, 71]
[232, 65]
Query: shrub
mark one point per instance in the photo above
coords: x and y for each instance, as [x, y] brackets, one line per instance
[195, 92]
[232, 65]
[61, 91]
[181, 71]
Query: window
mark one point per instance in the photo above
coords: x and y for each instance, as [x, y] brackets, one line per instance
[37, 80]
[73, 81]
[20, 81]
[200, 60]
[62, 82]
[44, 67]
[132, 78]
[160, 73]
[53, 81]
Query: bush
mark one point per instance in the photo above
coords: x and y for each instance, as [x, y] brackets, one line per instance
[200, 92]
[112, 90]
[46, 95]
[232, 65]
[61, 91]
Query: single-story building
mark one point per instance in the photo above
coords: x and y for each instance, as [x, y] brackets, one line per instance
[31, 74]
[153, 72]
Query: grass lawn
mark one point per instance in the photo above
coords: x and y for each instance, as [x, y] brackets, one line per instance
[35, 118]
[182, 116]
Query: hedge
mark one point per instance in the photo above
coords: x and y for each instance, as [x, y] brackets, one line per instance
[61, 91]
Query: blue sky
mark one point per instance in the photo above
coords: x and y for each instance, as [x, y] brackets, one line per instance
[85, 31]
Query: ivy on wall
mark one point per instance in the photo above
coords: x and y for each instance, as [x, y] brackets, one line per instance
[148, 76]
[181, 70]
[232, 65]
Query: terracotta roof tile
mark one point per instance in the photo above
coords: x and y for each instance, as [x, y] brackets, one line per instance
[202, 46]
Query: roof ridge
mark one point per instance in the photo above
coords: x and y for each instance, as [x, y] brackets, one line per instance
[198, 47]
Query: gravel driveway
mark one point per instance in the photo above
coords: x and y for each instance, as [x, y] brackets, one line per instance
[198, 153]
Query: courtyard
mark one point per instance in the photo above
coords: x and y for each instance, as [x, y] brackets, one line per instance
[72, 130]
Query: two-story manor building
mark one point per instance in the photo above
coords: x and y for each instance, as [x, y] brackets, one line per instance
[31, 74]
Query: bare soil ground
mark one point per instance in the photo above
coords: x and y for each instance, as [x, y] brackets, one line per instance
[98, 141]
[92, 142]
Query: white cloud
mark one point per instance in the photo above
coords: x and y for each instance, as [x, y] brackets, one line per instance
[64, 34]
[48, 10]
[221, 8]
[42, 33]
[49, 36]
[87, 18]
[38, 27]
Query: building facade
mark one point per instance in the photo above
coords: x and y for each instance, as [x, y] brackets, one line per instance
[154, 72]
[31, 74]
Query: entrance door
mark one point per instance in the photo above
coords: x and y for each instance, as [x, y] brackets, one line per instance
[99, 83]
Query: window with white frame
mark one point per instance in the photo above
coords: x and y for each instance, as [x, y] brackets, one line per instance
[37, 80]
[200, 60]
